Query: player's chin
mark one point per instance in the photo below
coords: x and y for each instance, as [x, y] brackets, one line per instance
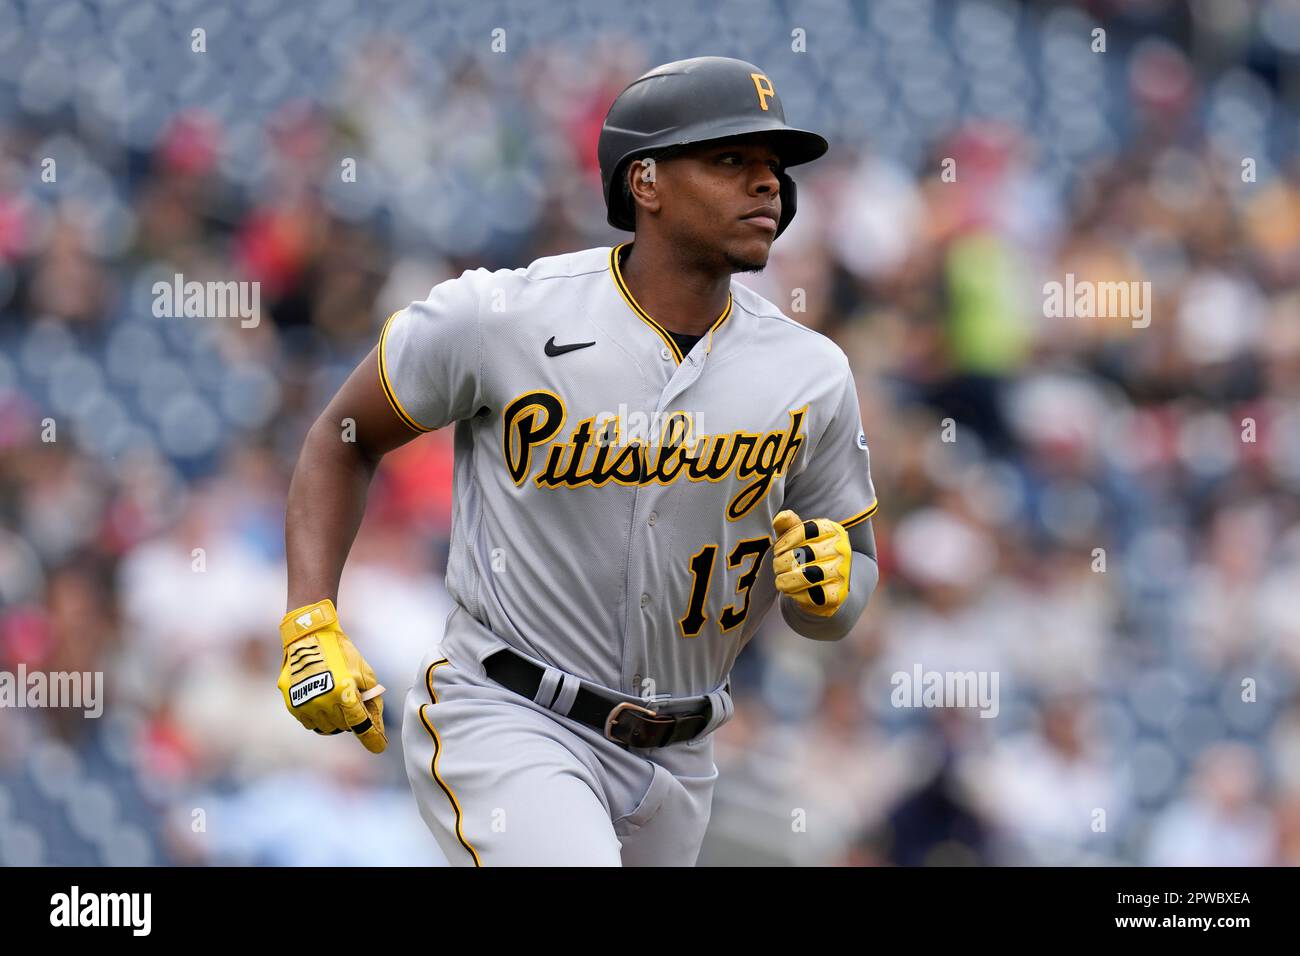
[749, 255]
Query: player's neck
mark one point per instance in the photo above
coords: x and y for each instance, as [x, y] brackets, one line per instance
[679, 296]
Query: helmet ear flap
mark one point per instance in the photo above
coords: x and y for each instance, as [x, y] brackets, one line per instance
[789, 198]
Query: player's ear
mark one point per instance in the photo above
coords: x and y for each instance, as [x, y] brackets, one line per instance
[643, 183]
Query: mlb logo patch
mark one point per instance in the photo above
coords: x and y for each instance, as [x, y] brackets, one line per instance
[862, 440]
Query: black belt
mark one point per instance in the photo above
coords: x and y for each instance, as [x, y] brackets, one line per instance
[620, 720]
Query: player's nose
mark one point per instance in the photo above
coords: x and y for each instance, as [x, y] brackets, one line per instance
[763, 180]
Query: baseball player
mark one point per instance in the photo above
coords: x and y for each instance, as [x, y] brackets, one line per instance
[646, 454]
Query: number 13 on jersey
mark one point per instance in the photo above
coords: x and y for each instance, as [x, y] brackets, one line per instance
[752, 550]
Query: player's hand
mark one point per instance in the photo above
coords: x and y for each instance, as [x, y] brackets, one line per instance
[811, 560]
[325, 681]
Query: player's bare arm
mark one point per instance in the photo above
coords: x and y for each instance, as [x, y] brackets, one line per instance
[327, 496]
[325, 681]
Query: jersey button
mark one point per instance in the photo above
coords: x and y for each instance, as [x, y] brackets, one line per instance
[652, 519]
[665, 355]
[645, 599]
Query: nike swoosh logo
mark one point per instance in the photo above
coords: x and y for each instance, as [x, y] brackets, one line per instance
[552, 349]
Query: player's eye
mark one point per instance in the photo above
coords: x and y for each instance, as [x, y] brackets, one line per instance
[730, 158]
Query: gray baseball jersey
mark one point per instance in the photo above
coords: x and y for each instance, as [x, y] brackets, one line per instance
[613, 497]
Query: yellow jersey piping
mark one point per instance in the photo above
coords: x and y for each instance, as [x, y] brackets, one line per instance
[433, 765]
[861, 516]
[645, 317]
[388, 386]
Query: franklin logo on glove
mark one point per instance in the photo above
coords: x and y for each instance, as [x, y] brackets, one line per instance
[304, 691]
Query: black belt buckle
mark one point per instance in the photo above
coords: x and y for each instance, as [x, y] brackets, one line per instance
[635, 726]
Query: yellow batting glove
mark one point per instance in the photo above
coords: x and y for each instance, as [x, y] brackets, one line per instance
[325, 681]
[811, 560]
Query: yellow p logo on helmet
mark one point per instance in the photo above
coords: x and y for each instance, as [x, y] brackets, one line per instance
[764, 87]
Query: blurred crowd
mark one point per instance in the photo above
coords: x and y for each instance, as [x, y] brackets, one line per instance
[1104, 514]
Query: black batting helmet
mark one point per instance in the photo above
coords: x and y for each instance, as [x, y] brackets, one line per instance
[695, 101]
